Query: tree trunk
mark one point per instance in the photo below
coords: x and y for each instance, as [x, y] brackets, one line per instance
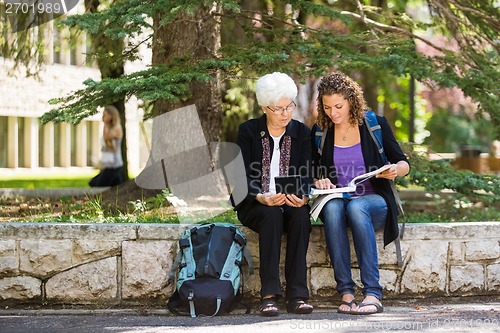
[196, 37]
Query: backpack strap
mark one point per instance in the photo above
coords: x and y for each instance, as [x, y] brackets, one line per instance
[240, 239]
[186, 247]
[175, 266]
[231, 261]
[397, 243]
[320, 139]
[376, 133]
[192, 310]
[239, 244]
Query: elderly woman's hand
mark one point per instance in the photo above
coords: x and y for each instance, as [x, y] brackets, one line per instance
[269, 199]
[294, 201]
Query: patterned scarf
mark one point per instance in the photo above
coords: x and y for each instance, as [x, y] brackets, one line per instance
[285, 148]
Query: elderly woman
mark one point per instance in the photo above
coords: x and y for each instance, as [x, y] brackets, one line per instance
[348, 151]
[276, 145]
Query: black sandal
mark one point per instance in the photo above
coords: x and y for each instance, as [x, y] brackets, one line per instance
[350, 304]
[298, 306]
[267, 305]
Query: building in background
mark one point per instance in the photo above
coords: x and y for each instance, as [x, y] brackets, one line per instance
[27, 146]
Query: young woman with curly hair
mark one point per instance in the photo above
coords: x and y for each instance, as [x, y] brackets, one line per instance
[349, 151]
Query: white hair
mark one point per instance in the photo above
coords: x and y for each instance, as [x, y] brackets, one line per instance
[272, 87]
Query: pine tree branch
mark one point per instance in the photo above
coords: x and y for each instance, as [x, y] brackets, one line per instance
[457, 23]
[383, 26]
[494, 22]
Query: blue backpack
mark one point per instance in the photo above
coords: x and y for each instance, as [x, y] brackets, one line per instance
[209, 270]
[376, 134]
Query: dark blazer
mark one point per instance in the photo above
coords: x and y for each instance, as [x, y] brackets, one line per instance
[323, 166]
[250, 137]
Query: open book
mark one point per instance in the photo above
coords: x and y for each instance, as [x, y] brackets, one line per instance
[340, 192]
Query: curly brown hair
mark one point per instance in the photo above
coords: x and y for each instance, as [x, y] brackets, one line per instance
[339, 83]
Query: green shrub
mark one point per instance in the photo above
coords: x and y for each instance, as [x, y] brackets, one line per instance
[470, 196]
[439, 175]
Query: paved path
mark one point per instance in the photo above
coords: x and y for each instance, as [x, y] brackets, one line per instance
[470, 317]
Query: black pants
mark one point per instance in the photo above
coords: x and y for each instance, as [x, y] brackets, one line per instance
[107, 177]
[270, 223]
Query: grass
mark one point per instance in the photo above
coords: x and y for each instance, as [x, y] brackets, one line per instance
[91, 209]
[47, 181]
[63, 179]
[487, 214]
[158, 210]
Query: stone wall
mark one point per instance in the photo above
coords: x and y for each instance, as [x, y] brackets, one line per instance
[119, 264]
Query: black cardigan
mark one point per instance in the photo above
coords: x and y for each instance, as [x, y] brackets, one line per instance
[323, 166]
[250, 137]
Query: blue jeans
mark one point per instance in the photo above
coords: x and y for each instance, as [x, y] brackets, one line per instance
[363, 215]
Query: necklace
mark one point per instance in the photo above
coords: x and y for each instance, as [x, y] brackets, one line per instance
[345, 135]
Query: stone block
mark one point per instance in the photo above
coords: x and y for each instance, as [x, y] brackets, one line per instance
[251, 284]
[321, 281]
[160, 231]
[425, 271]
[482, 250]
[95, 281]
[317, 253]
[85, 250]
[42, 258]
[388, 256]
[493, 278]
[145, 268]
[60, 231]
[451, 231]
[466, 279]
[356, 276]
[457, 252]
[9, 262]
[253, 247]
[20, 288]
[388, 280]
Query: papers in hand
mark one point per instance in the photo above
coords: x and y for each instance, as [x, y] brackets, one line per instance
[340, 192]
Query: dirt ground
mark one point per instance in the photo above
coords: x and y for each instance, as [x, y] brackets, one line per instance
[116, 199]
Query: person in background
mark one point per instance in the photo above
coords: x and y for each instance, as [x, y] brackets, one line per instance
[111, 161]
[276, 145]
[349, 151]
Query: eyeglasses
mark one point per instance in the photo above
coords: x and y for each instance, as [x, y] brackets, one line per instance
[279, 110]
